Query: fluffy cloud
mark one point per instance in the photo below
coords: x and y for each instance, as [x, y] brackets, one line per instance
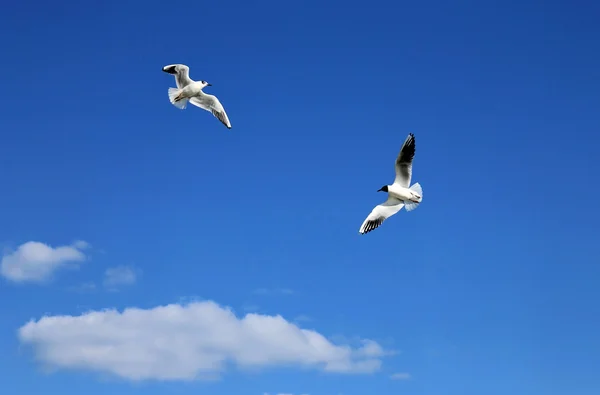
[119, 275]
[37, 262]
[187, 342]
[400, 376]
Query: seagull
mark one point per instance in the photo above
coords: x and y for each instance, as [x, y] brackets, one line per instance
[190, 90]
[399, 194]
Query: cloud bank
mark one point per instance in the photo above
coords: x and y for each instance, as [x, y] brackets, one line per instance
[198, 340]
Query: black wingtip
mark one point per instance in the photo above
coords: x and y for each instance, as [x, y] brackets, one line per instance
[408, 148]
[372, 225]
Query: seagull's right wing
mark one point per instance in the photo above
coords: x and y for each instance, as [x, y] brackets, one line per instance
[404, 162]
[181, 73]
[213, 105]
[380, 213]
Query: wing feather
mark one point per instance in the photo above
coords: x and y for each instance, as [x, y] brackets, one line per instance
[211, 104]
[181, 72]
[404, 162]
[380, 213]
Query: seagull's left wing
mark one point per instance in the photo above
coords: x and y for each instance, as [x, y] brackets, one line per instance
[380, 213]
[181, 73]
[213, 105]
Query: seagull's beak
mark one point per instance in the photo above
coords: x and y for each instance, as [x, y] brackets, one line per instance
[380, 189]
[208, 84]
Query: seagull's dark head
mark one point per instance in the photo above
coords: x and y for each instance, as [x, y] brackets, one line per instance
[205, 83]
[383, 189]
[171, 69]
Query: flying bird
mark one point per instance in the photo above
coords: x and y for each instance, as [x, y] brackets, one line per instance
[399, 193]
[190, 90]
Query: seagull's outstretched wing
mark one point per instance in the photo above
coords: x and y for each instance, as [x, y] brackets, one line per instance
[404, 162]
[380, 213]
[181, 73]
[212, 104]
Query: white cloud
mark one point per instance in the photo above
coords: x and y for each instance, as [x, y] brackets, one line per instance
[81, 245]
[371, 348]
[186, 342]
[37, 262]
[400, 376]
[250, 308]
[119, 275]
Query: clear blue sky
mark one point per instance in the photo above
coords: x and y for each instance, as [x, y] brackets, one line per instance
[489, 287]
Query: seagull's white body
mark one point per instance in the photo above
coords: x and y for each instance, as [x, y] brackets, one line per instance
[402, 193]
[190, 90]
[399, 193]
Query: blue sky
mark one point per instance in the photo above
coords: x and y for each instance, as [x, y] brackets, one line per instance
[122, 200]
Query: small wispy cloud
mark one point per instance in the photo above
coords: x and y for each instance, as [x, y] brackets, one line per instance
[37, 262]
[81, 244]
[250, 308]
[273, 291]
[401, 376]
[119, 276]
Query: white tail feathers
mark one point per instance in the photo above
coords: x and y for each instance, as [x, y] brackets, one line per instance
[410, 206]
[173, 93]
[417, 188]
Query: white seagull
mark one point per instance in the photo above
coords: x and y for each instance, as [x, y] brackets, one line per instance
[399, 194]
[190, 90]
